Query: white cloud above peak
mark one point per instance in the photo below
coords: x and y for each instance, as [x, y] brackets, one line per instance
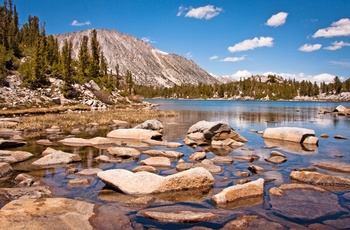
[204, 12]
[339, 28]
[76, 23]
[310, 47]
[233, 59]
[251, 44]
[277, 19]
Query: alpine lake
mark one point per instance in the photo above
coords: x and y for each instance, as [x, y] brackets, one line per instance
[298, 209]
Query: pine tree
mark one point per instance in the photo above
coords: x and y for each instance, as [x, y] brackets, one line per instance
[83, 71]
[95, 56]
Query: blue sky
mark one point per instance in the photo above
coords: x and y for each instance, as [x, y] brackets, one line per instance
[301, 39]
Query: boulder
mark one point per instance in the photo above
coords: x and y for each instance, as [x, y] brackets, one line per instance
[222, 160]
[198, 156]
[47, 213]
[182, 166]
[285, 187]
[252, 222]
[4, 144]
[94, 85]
[139, 134]
[239, 192]
[33, 192]
[319, 179]
[89, 172]
[14, 156]
[276, 153]
[293, 134]
[78, 182]
[154, 125]
[180, 216]
[149, 183]
[340, 108]
[243, 158]
[163, 153]
[256, 169]
[123, 152]
[5, 169]
[157, 161]
[23, 180]
[146, 168]
[276, 159]
[241, 174]
[208, 165]
[208, 131]
[58, 157]
[44, 142]
[107, 159]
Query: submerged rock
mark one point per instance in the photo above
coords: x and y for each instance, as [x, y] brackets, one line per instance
[34, 192]
[319, 179]
[146, 168]
[252, 222]
[47, 213]
[208, 165]
[198, 156]
[293, 134]
[239, 192]
[337, 167]
[23, 180]
[276, 159]
[149, 183]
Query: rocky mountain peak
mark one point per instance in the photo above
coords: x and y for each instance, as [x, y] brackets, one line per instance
[148, 65]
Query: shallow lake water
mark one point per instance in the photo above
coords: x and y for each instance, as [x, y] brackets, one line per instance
[243, 116]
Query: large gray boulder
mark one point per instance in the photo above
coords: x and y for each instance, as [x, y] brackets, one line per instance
[154, 125]
[293, 134]
[149, 183]
[138, 134]
[241, 191]
[205, 131]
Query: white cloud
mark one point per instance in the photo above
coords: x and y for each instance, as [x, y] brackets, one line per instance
[251, 44]
[240, 74]
[213, 57]
[204, 12]
[310, 48]
[76, 23]
[337, 45]
[324, 77]
[341, 63]
[147, 39]
[277, 19]
[339, 28]
[182, 9]
[233, 59]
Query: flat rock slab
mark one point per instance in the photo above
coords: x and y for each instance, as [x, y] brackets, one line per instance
[89, 172]
[252, 222]
[180, 216]
[14, 156]
[337, 167]
[293, 134]
[276, 159]
[57, 157]
[47, 213]
[305, 205]
[149, 183]
[157, 162]
[123, 152]
[319, 179]
[163, 153]
[141, 134]
[25, 192]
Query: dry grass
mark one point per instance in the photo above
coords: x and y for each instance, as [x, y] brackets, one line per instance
[55, 109]
[68, 121]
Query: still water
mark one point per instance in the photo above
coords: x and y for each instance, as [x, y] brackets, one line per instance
[243, 116]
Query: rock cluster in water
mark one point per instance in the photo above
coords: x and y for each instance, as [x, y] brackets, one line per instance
[307, 197]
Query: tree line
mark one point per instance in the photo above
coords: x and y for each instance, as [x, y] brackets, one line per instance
[274, 88]
[37, 57]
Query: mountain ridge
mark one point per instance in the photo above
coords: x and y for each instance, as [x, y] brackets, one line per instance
[148, 65]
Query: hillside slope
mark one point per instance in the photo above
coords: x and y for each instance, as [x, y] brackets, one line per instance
[148, 65]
